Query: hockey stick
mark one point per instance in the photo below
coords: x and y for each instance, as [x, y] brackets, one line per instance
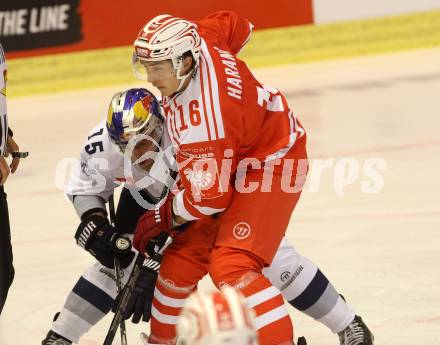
[123, 301]
[126, 295]
[128, 290]
[118, 273]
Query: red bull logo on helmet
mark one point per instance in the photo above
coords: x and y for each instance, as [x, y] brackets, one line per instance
[141, 109]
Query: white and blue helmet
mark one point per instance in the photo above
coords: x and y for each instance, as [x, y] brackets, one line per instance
[133, 112]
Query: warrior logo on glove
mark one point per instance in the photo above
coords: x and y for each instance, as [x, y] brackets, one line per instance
[99, 238]
[122, 243]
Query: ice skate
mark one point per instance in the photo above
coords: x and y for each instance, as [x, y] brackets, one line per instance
[356, 333]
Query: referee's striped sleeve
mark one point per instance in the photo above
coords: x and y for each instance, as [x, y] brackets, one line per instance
[3, 111]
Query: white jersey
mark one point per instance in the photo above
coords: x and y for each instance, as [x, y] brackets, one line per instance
[103, 167]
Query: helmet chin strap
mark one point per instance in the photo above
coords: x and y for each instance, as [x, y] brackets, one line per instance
[182, 81]
[177, 68]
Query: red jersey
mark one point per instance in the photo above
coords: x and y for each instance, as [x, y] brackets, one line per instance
[225, 120]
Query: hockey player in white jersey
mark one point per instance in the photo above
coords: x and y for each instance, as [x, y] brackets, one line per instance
[103, 167]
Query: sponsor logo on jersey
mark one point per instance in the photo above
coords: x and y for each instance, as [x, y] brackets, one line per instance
[198, 178]
[200, 155]
[242, 230]
[189, 153]
[202, 174]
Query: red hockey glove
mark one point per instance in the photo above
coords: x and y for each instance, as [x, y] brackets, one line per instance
[153, 223]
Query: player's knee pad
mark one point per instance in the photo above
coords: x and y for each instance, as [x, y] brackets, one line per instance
[234, 267]
[89, 301]
[96, 287]
[180, 271]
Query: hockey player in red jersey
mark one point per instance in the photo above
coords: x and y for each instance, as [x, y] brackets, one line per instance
[242, 157]
[230, 134]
